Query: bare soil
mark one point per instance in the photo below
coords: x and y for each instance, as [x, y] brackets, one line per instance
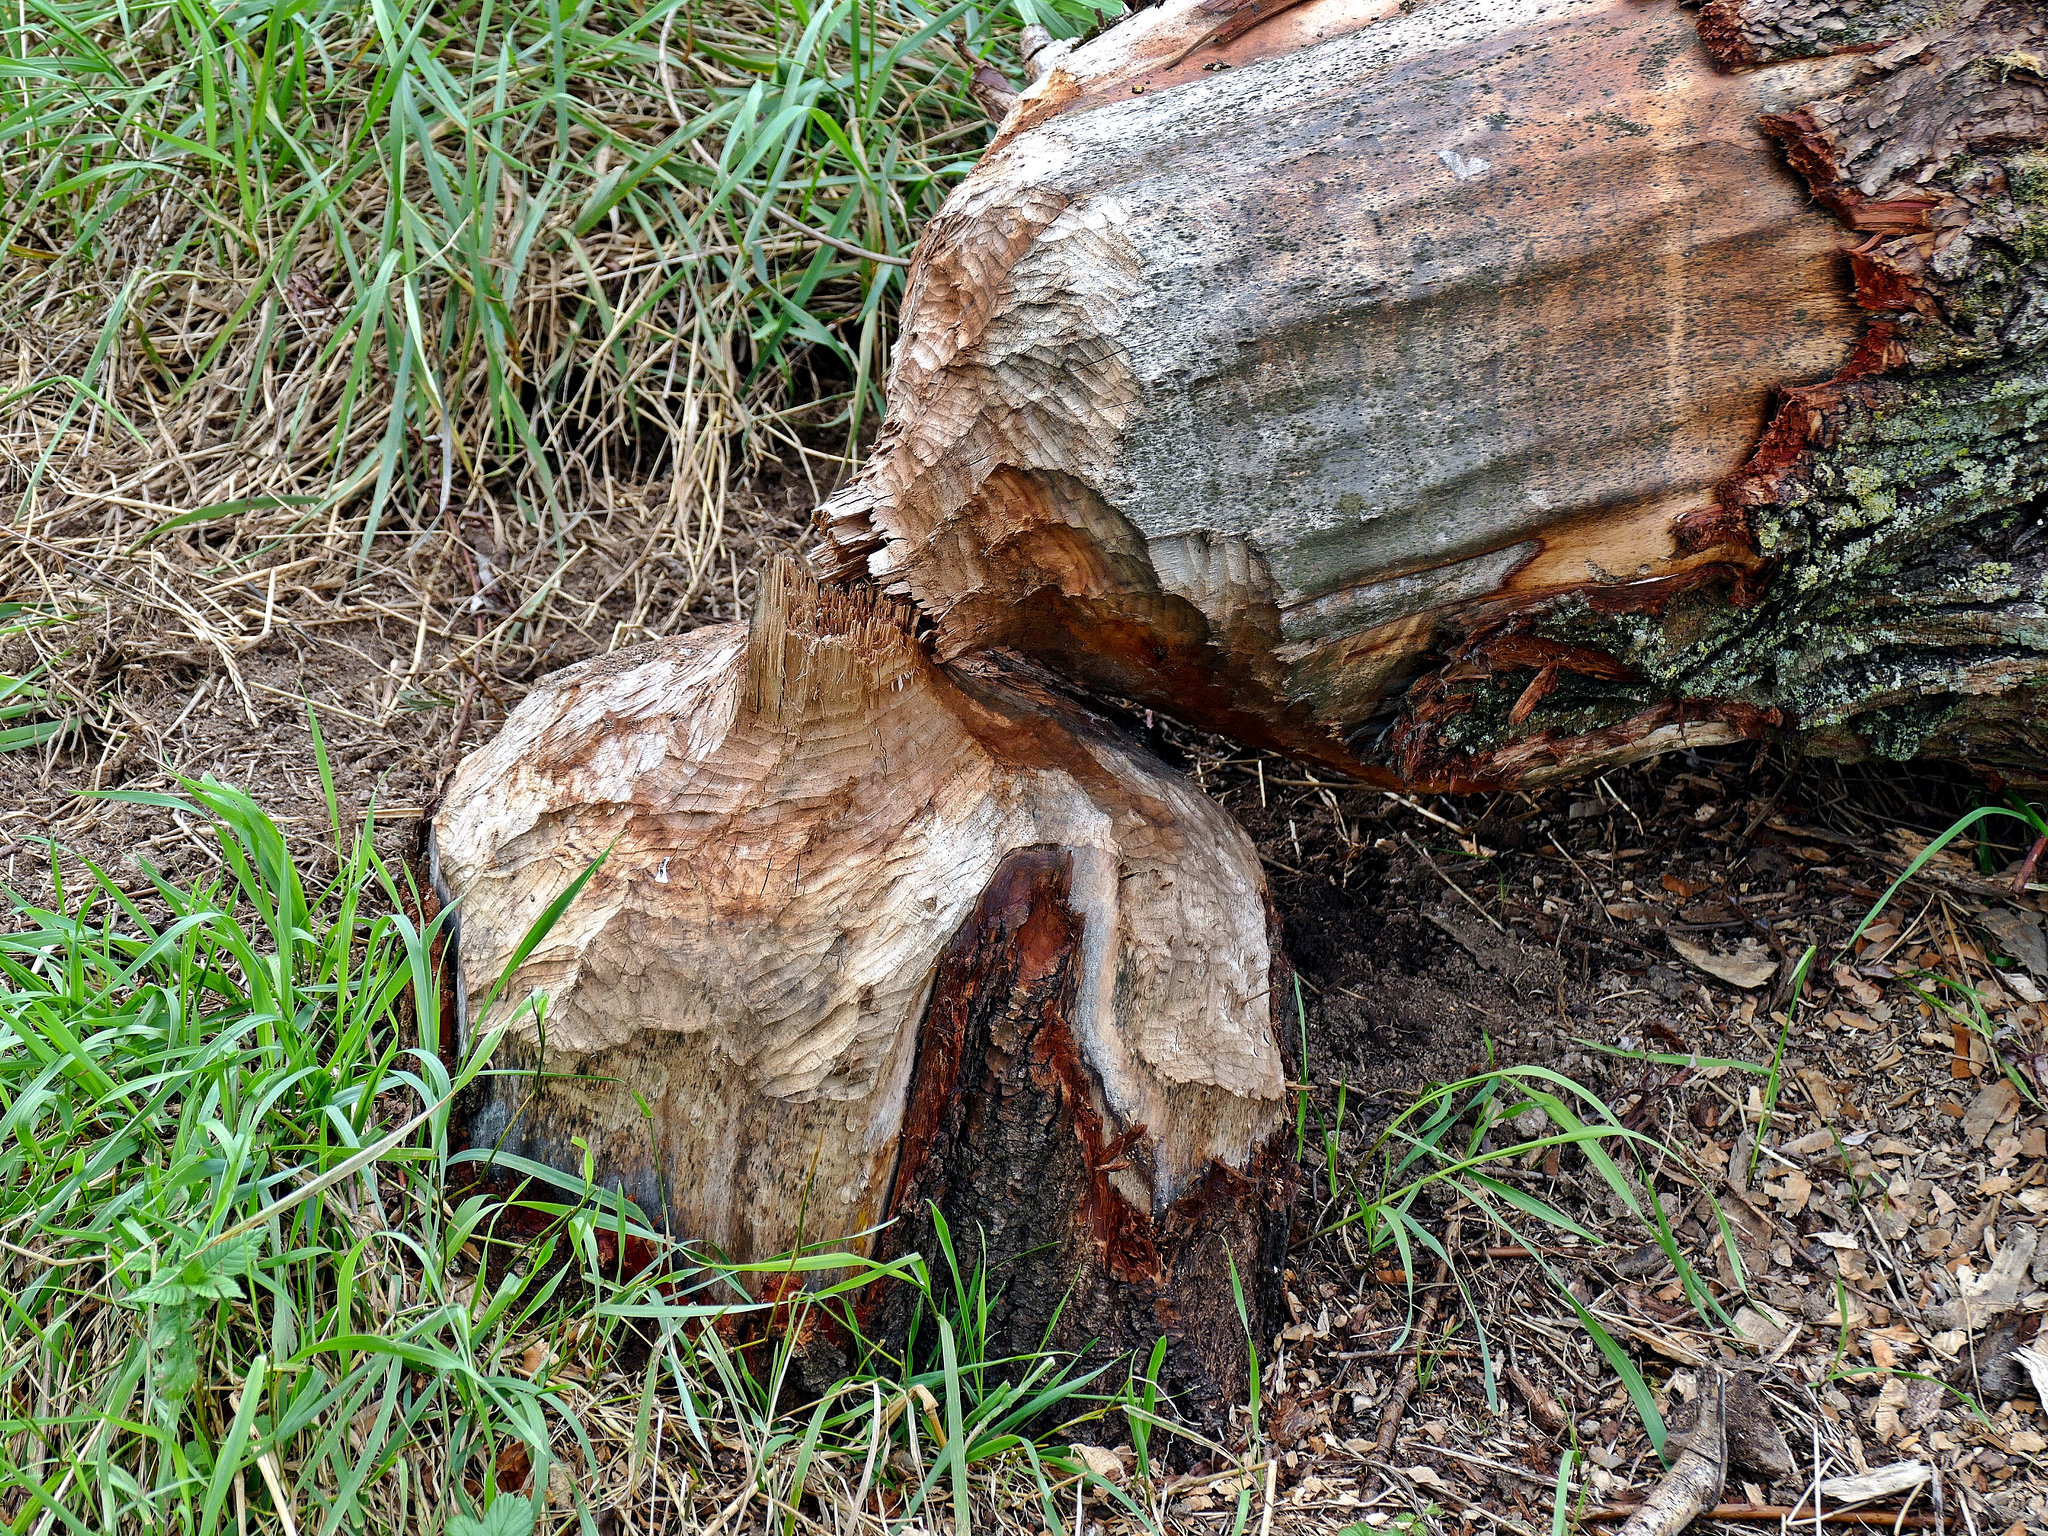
[1884, 1204]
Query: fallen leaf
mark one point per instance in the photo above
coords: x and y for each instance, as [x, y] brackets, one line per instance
[1864, 993]
[1825, 1104]
[2021, 936]
[1890, 1400]
[2037, 1369]
[1762, 1330]
[1998, 1101]
[1791, 1193]
[1102, 1463]
[1996, 1290]
[1826, 1309]
[1749, 967]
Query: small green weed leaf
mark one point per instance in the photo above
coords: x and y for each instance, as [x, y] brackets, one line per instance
[208, 1275]
[174, 1356]
[509, 1515]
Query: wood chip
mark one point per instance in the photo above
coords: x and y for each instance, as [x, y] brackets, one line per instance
[1998, 1102]
[1880, 1483]
[1749, 967]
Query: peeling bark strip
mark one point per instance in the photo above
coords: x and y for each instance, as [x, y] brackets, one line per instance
[828, 861]
[1431, 390]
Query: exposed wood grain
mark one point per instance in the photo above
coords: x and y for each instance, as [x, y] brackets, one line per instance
[806, 824]
[1005, 1139]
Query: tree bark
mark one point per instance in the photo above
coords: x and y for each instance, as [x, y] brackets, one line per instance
[1479, 392]
[871, 940]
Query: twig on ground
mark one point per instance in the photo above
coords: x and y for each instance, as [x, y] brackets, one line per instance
[2028, 865]
[1411, 1369]
[1472, 900]
[1694, 1481]
[1543, 1408]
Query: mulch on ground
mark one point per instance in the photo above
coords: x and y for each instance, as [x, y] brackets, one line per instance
[1883, 1204]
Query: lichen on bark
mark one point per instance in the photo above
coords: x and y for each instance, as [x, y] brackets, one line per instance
[1748, 32]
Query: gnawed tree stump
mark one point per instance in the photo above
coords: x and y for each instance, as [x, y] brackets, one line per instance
[869, 938]
[1485, 391]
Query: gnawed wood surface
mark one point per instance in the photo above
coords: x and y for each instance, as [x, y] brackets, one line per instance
[1387, 383]
[830, 870]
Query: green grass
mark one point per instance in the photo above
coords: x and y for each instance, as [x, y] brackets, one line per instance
[431, 251]
[246, 1273]
[30, 713]
[1456, 1144]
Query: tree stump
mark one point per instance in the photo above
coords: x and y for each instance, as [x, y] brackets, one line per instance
[871, 939]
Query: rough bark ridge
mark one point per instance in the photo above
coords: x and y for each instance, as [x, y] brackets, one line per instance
[1747, 32]
[752, 1012]
[1414, 357]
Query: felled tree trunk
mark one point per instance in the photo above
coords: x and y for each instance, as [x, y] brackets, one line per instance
[872, 939]
[1479, 392]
